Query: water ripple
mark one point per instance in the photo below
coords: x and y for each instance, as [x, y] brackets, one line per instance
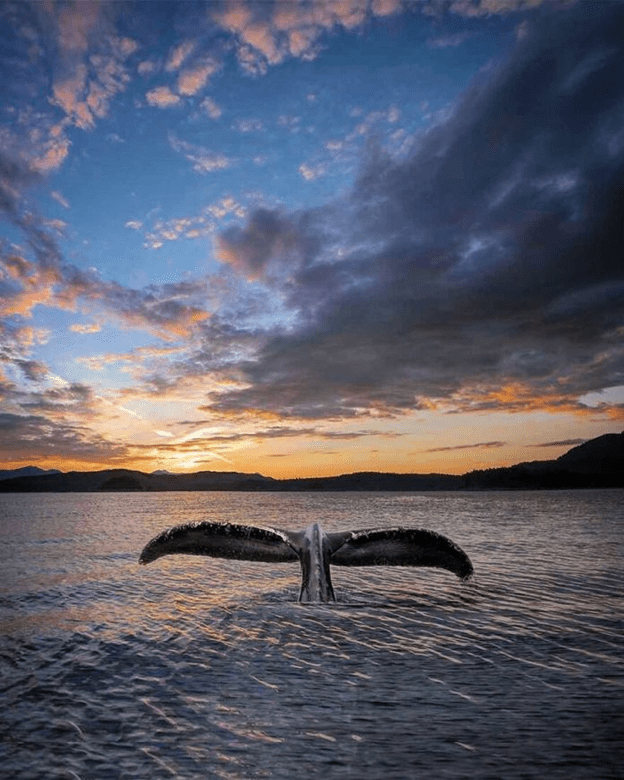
[200, 668]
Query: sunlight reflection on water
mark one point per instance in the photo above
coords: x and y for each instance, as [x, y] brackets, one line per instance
[202, 668]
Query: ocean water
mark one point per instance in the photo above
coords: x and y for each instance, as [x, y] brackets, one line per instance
[201, 668]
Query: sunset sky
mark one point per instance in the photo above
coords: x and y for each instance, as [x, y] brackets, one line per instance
[310, 238]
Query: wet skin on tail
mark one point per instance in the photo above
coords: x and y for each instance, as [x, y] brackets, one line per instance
[314, 549]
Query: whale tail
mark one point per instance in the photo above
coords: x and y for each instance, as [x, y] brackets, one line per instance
[222, 540]
[401, 547]
[314, 549]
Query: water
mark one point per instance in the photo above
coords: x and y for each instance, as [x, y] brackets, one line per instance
[202, 668]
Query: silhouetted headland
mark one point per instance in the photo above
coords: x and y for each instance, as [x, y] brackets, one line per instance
[598, 463]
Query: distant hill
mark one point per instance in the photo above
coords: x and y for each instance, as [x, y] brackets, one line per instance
[128, 480]
[26, 471]
[604, 455]
[596, 463]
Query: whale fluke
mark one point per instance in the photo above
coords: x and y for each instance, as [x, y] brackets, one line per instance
[402, 547]
[221, 540]
[314, 549]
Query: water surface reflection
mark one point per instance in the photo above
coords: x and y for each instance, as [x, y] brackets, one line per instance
[201, 668]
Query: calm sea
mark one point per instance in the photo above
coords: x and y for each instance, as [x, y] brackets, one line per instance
[202, 668]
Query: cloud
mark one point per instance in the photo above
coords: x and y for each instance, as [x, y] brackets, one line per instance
[267, 34]
[249, 125]
[165, 310]
[564, 443]
[139, 358]
[25, 285]
[146, 68]
[61, 399]
[28, 387]
[37, 437]
[209, 434]
[481, 271]
[291, 123]
[45, 278]
[36, 273]
[211, 108]
[74, 54]
[178, 55]
[226, 205]
[473, 8]
[267, 236]
[87, 328]
[204, 161]
[190, 227]
[58, 197]
[311, 172]
[443, 42]
[162, 97]
[50, 153]
[90, 69]
[386, 7]
[16, 344]
[33, 370]
[193, 67]
[193, 79]
[64, 65]
[480, 445]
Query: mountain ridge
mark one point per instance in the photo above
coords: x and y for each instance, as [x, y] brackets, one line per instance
[597, 462]
[26, 471]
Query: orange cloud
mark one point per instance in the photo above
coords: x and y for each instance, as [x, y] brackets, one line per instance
[386, 7]
[178, 55]
[48, 155]
[91, 70]
[162, 97]
[193, 80]
[159, 311]
[517, 397]
[178, 327]
[68, 93]
[37, 286]
[268, 36]
[88, 328]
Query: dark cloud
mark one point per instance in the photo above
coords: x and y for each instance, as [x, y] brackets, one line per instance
[32, 370]
[267, 236]
[70, 399]
[15, 175]
[15, 345]
[285, 431]
[490, 257]
[61, 401]
[37, 437]
[564, 443]
[169, 310]
[480, 445]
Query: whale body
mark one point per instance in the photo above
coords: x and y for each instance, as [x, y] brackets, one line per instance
[313, 548]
